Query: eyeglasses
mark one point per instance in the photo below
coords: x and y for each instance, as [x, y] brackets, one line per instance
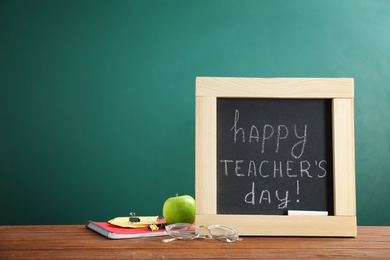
[183, 231]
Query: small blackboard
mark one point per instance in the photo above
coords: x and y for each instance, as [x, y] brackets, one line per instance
[274, 155]
[266, 147]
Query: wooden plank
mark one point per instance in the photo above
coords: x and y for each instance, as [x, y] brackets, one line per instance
[344, 157]
[188, 252]
[206, 156]
[268, 225]
[77, 242]
[275, 87]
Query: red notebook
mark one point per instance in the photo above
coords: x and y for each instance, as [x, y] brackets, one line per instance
[114, 232]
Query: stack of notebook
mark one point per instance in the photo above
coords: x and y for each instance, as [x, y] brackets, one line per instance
[122, 228]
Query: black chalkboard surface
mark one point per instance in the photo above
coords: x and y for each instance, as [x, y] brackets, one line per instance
[274, 155]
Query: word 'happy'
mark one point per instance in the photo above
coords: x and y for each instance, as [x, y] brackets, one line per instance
[268, 132]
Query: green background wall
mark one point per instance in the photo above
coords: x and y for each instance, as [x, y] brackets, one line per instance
[97, 107]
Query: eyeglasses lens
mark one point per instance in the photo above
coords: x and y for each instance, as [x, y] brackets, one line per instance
[223, 234]
[183, 232]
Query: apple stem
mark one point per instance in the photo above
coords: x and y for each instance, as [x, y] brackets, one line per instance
[177, 194]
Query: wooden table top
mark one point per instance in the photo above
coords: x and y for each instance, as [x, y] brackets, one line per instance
[78, 242]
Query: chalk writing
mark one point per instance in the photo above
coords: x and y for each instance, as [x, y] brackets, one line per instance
[273, 152]
[268, 133]
[274, 169]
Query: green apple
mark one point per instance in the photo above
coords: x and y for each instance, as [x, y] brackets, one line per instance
[179, 209]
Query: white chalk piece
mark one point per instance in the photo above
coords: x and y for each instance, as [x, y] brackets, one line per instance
[307, 213]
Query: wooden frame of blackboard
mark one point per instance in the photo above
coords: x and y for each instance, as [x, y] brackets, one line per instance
[341, 91]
